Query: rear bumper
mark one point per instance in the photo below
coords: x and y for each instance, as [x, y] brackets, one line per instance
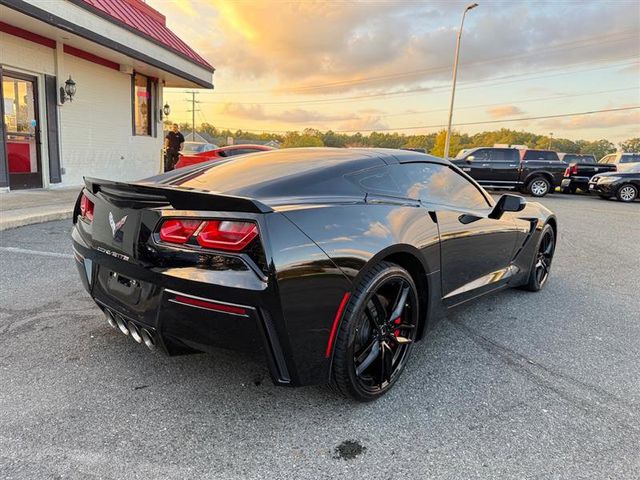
[186, 310]
[578, 182]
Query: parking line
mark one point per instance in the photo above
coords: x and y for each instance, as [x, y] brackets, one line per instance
[35, 252]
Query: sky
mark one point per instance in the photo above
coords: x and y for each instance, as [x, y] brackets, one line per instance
[386, 65]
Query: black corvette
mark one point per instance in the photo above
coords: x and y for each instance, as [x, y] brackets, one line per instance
[330, 262]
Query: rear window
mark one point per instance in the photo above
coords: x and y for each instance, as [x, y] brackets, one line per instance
[573, 158]
[540, 155]
[375, 180]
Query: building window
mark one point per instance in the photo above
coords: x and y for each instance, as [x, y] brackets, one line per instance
[142, 105]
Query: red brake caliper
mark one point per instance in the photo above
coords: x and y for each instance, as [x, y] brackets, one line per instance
[397, 321]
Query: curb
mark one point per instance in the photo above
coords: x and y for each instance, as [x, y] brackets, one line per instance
[23, 220]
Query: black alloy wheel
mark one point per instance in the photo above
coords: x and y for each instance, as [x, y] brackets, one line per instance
[377, 333]
[542, 260]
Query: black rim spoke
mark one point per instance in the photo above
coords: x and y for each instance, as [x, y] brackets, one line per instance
[400, 301]
[373, 353]
[545, 254]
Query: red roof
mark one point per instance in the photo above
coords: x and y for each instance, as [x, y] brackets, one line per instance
[137, 15]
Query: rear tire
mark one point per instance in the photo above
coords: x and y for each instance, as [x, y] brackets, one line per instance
[627, 193]
[541, 264]
[376, 335]
[538, 186]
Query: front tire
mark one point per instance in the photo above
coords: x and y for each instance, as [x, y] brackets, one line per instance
[538, 186]
[376, 334]
[627, 193]
[541, 264]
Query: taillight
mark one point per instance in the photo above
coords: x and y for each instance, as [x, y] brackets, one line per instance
[86, 208]
[178, 231]
[229, 235]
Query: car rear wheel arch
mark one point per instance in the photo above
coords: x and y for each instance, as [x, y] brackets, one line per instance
[554, 225]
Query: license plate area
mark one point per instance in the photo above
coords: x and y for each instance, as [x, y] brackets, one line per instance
[124, 288]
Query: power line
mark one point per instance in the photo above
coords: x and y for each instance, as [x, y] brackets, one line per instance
[193, 112]
[469, 85]
[513, 102]
[574, 44]
[486, 122]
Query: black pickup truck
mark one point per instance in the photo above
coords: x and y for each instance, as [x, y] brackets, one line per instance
[579, 171]
[537, 172]
[578, 174]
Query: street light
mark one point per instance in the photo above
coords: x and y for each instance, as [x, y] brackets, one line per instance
[455, 74]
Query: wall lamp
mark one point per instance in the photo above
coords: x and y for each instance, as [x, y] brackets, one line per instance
[68, 91]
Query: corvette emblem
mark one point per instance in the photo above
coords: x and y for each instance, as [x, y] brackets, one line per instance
[115, 227]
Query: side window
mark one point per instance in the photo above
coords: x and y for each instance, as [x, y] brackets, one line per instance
[628, 159]
[481, 155]
[500, 155]
[436, 183]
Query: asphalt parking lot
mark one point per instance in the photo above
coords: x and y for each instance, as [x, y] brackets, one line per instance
[515, 385]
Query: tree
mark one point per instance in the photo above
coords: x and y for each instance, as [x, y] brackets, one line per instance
[455, 145]
[598, 148]
[295, 139]
[631, 146]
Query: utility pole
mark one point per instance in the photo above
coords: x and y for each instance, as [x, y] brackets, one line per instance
[193, 113]
[455, 74]
[550, 139]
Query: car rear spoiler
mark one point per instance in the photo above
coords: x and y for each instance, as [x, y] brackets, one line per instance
[179, 198]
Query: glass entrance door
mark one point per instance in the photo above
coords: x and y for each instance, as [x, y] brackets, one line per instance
[22, 130]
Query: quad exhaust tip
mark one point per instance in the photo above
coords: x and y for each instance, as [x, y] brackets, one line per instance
[122, 325]
[147, 338]
[111, 320]
[140, 335]
[135, 333]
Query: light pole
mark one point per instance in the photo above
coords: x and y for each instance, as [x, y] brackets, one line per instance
[455, 74]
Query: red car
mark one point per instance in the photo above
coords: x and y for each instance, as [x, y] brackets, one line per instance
[222, 152]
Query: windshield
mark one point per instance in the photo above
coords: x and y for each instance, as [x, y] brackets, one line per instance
[462, 153]
[194, 147]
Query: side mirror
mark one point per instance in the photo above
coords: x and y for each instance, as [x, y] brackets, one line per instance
[470, 159]
[508, 203]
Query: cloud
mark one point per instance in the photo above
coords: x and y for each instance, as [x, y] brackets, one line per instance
[503, 111]
[296, 115]
[596, 120]
[367, 122]
[374, 45]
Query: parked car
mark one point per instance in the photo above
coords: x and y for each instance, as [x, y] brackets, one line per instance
[624, 184]
[332, 263]
[537, 172]
[580, 170]
[218, 153]
[618, 158]
[196, 148]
